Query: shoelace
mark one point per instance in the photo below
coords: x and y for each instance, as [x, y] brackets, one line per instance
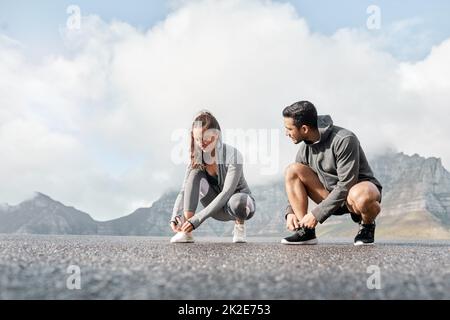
[364, 229]
[301, 232]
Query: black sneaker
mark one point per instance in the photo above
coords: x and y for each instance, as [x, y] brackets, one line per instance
[366, 235]
[301, 236]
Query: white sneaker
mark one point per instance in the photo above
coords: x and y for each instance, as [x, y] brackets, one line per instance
[182, 237]
[239, 233]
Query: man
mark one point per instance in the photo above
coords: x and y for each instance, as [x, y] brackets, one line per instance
[331, 169]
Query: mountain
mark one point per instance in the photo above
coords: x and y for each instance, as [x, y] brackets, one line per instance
[150, 221]
[414, 183]
[43, 215]
[416, 205]
[416, 199]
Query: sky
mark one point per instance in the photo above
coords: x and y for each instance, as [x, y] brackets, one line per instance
[94, 116]
[38, 24]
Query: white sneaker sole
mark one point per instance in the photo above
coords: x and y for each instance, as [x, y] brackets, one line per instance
[308, 242]
[360, 243]
[183, 240]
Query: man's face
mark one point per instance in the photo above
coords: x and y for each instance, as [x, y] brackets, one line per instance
[292, 131]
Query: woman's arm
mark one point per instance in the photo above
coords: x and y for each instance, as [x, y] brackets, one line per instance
[178, 206]
[232, 178]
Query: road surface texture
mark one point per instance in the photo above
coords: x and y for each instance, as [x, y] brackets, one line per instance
[37, 267]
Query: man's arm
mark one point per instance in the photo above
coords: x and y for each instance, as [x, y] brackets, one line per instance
[347, 164]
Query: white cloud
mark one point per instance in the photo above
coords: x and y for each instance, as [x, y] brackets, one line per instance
[93, 128]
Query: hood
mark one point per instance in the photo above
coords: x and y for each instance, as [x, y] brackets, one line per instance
[324, 124]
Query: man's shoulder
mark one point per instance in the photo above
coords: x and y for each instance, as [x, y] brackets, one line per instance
[340, 133]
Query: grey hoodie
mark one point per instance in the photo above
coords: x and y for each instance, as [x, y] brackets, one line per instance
[340, 163]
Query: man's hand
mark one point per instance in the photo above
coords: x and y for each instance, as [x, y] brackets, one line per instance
[186, 227]
[292, 222]
[308, 221]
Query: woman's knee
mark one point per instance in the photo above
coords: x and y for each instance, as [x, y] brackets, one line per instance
[204, 187]
[241, 206]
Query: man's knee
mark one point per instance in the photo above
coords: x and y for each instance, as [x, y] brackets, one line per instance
[296, 171]
[363, 198]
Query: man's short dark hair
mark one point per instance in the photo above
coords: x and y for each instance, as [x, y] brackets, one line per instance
[303, 113]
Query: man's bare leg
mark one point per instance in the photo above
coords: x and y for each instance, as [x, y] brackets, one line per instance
[364, 199]
[302, 182]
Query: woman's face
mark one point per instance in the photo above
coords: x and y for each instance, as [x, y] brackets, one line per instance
[206, 140]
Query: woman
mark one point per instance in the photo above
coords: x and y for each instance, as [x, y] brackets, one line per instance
[215, 177]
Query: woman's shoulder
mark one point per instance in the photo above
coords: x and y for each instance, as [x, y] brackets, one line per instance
[232, 155]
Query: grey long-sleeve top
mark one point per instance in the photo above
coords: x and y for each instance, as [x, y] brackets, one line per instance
[230, 178]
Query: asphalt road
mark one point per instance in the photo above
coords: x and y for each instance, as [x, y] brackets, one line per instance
[37, 267]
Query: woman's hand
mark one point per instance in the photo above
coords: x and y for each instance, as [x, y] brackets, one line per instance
[186, 227]
[175, 227]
